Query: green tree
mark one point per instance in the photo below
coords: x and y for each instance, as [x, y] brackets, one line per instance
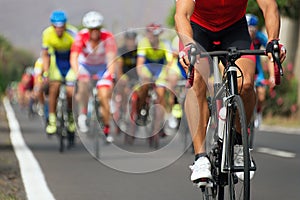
[12, 63]
[170, 19]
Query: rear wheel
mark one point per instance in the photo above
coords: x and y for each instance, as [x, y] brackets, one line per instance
[60, 124]
[95, 120]
[151, 128]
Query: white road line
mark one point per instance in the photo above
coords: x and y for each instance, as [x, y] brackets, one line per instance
[33, 178]
[281, 130]
[274, 152]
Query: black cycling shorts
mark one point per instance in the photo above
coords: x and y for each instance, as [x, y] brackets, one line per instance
[236, 35]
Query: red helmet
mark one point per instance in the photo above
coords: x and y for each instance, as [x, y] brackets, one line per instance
[154, 28]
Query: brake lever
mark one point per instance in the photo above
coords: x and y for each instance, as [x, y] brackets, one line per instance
[276, 56]
[192, 54]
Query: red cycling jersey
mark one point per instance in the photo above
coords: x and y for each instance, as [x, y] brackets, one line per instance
[216, 15]
[96, 56]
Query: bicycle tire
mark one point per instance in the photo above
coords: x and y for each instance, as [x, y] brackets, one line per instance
[237, 189]
[207, 193]
[251, 128]
[95, 133]
[153, 134]
[60, 124]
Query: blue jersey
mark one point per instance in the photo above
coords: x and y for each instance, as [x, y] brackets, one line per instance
[259, 41]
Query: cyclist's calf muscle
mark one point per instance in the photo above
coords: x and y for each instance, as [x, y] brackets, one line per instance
[247, 87]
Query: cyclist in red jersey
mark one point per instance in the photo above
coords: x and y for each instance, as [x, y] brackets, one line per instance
[93, 53]
[224, 21]
[25, 87]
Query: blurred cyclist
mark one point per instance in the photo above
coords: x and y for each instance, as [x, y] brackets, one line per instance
[126, 74]
[57, 40]
[25, 87]
[38, 83]
[93, 53]
[128, 56]
[154, 59]
[259, 39]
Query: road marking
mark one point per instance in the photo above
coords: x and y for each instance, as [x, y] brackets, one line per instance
[33, 178]
[274, 152]
[281, 130]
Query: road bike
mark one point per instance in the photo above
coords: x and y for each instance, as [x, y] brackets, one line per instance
[94, 135]
[125, 110]
[223, 138]
[62, 116]
[150, 116]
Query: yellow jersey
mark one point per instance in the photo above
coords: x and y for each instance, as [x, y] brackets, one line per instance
[59, 48]
[161, 55]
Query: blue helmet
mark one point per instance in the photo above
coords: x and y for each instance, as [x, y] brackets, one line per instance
[252, 20]
[58, 18]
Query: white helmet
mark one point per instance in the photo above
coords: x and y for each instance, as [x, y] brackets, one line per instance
[92, 19]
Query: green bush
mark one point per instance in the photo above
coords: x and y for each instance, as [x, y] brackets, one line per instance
[12, 63]
[282, 101]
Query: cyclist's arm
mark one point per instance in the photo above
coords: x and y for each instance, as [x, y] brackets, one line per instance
[272, 21]
[139, 64]
[46, 61]
[45, 51]
[76, 49]
[169, 58]
[74, 61]
[141, 55]
[119, 67]
[184, 10]
[272, 17]
[111, 56]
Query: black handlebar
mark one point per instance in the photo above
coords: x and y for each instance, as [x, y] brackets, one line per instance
[231, 54]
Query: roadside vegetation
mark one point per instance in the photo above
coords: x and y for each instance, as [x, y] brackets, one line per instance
[12, 63]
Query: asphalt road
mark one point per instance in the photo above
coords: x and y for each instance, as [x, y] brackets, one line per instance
[76, 174]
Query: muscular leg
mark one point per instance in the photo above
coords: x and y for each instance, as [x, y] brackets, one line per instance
[197, 109]
[104, 95]
[261, 95]
[248, 94]
[160, 112]
[70, 91]
[53, 94]
[83, 95]
[142, 94]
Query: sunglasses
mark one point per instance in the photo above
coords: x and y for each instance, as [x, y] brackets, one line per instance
[96, 28]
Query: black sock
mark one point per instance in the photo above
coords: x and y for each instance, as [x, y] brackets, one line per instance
[238, 139]
[200, 155]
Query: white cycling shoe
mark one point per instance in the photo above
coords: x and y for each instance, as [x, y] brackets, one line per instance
[82, 123]
[109, 139]
[239, 161]
[201, 171]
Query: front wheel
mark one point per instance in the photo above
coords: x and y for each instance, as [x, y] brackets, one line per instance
[237, 151]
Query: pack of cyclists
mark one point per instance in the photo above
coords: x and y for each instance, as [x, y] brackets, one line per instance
[69, 55]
